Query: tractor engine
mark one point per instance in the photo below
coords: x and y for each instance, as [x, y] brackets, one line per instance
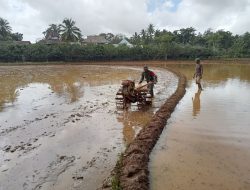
[128, 90]
[128, 94]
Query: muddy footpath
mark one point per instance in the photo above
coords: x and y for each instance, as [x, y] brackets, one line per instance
[60, 129]
[133, 170]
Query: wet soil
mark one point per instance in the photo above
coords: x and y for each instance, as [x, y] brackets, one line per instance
[133, 174]
[59, 127]
[205, 145]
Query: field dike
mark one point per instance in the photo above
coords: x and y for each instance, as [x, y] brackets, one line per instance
[131, 171]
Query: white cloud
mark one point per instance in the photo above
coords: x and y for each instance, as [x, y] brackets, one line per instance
[202, 14]
[31, 17]
[168, 4]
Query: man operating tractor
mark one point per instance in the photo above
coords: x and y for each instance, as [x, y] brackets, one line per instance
[151, 79]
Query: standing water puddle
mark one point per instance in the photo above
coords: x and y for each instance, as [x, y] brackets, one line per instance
[206, 143]
[59, 126]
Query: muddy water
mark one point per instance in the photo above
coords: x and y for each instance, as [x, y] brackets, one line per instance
[59, 126]
[206, 144]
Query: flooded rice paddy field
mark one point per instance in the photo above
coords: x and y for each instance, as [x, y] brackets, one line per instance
[59, 126]
[206, 143]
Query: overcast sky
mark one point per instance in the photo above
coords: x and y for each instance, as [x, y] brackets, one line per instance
[31, 17]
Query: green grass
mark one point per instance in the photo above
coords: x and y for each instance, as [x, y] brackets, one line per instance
[115, 183]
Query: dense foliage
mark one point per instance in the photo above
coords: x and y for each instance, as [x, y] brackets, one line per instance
[149, 44]
[65, 32]
[187, 43]
[6, 32]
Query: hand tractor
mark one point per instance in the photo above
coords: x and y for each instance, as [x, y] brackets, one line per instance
[128, 94]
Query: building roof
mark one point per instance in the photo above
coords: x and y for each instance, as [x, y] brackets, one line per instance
[125, 42]
[96, 40]
[23, 42]
[50, 41]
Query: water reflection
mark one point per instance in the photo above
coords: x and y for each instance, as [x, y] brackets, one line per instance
[41, 110]
[70, 89]
[216, 73]
[66, 81]
[133, 121]
[196, 103]
[201, 152]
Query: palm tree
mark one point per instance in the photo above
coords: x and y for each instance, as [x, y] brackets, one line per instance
[69, 32]
[52, 32]
[17, 36]
[5, 28]
[136, 38]
[143, 34]
[151, 30]
[187, 34]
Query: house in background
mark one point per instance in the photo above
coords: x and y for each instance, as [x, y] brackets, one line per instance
[22, 42]
[124, 42]
[96, 40]
[51, 37]
[50, 41]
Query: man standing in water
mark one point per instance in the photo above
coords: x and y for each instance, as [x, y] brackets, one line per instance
[198, 73]
[151, 79]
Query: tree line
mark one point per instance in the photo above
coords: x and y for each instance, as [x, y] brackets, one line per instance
[148, 44]
[208, 44]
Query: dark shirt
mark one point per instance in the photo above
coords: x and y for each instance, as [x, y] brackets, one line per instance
[149, 76]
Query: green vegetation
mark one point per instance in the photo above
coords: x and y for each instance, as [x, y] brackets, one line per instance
[52, 31]
[70, 33]
[149, 44]
[65, 32]
[115, 182]
[5, 32]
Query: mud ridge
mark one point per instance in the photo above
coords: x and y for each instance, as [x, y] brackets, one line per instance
[133, 174]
